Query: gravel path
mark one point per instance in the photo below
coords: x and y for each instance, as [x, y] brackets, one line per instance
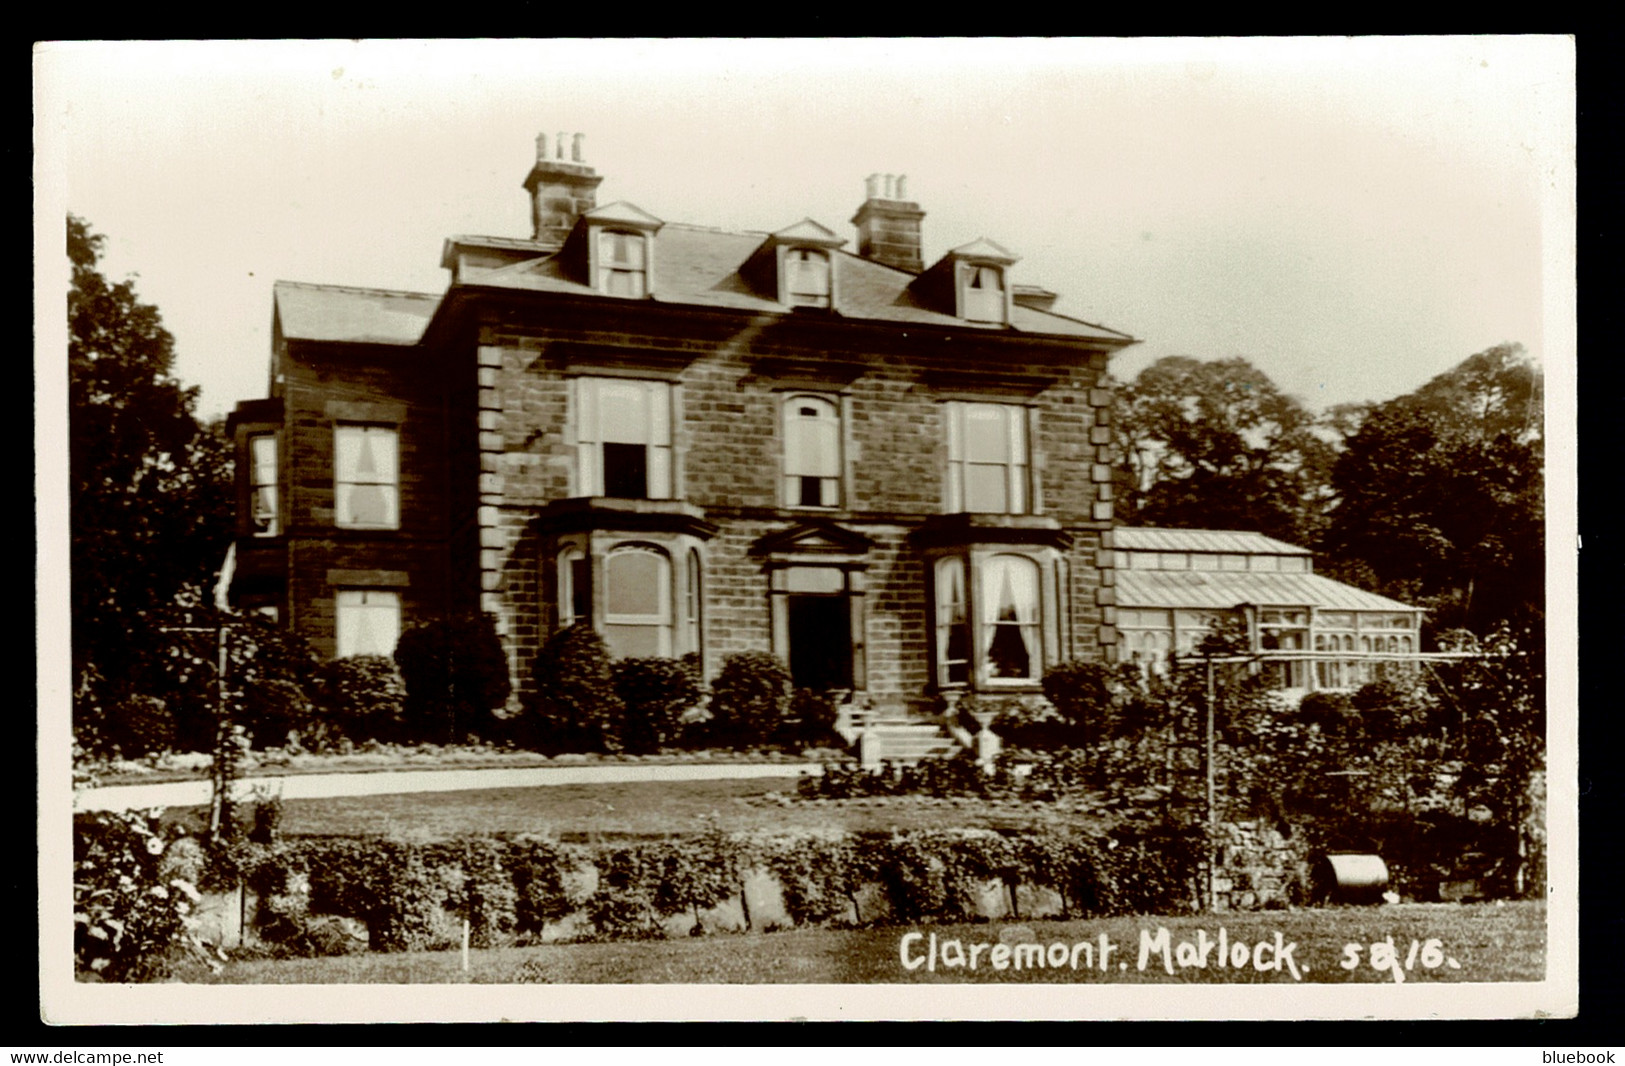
[315, 786]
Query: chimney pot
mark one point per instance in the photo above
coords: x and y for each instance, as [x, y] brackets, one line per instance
[888, 225]
[561, 188]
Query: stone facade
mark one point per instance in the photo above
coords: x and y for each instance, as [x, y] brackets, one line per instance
[671, 444]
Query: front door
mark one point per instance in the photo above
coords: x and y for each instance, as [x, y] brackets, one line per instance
[820, 642]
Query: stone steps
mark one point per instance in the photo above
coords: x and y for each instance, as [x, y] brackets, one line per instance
[901, 742]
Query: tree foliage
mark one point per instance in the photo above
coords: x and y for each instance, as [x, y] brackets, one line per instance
[1439, 494]
[150, 487]
[1216, 445]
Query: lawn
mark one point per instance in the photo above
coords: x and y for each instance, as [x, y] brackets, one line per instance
[642, 809]
[1488, 943]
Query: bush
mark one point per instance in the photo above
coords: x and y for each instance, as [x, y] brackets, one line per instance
[274, 709]
[655, 693]
[812, 719]
[138, 726]
[132, 911]
[576, 708]
[456, 674]
[1083, 696]
[363, 698]
[1036, 727]
[749, 698]
[545, 883]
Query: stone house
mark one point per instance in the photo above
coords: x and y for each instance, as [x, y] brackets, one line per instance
[891, 474]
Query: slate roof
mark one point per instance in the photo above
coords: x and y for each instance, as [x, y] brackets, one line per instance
[699, 267]
[1223, 590]
[362, 316]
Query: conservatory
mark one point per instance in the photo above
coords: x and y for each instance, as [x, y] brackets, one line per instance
[1174, 585]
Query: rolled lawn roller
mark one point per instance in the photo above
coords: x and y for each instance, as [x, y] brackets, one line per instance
[1346, 878]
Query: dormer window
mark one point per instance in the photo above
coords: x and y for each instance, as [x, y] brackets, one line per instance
[622, 269]
[982, 296]
[806, 282]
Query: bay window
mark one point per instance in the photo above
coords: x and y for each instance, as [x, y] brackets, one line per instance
[991, 619]
[262, 485]
[637, 602]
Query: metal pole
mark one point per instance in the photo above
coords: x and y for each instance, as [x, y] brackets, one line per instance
[1212, 802]
[217, 803]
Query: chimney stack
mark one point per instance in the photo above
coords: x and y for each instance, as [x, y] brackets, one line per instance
[889, 223]
[561, 191]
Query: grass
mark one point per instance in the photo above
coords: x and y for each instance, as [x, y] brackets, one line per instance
[1489, 942]
[195, 766]
[640, 809]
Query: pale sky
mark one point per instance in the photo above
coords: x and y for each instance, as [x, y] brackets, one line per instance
[1351, 216]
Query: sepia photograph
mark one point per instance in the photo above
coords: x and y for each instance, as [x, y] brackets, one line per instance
[806, 529]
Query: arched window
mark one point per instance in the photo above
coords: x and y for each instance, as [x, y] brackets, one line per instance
[812, 452]
[621, 263]
[1012, 646]
[637, 602]
[806, 282]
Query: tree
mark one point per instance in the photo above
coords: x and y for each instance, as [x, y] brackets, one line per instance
[150, 488]
[1440, 495]
[1215, 445]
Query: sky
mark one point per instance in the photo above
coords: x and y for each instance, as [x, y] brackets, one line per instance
[1352, 216]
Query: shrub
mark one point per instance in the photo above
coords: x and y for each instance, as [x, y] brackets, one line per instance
[1082, 693]
[1037, 726]
[274, 709]
[132, 912]
[576, 708]
[545, 883]
[138, 726]
[749, 698]
[622, 907]
[363, 697]
[914, 875]
[655, 693]
[455, 673]
[812, 718]
[480, 889]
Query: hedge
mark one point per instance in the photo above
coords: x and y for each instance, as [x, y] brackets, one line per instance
[411, 895]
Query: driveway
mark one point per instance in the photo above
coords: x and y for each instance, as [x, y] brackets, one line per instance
[381, 783]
